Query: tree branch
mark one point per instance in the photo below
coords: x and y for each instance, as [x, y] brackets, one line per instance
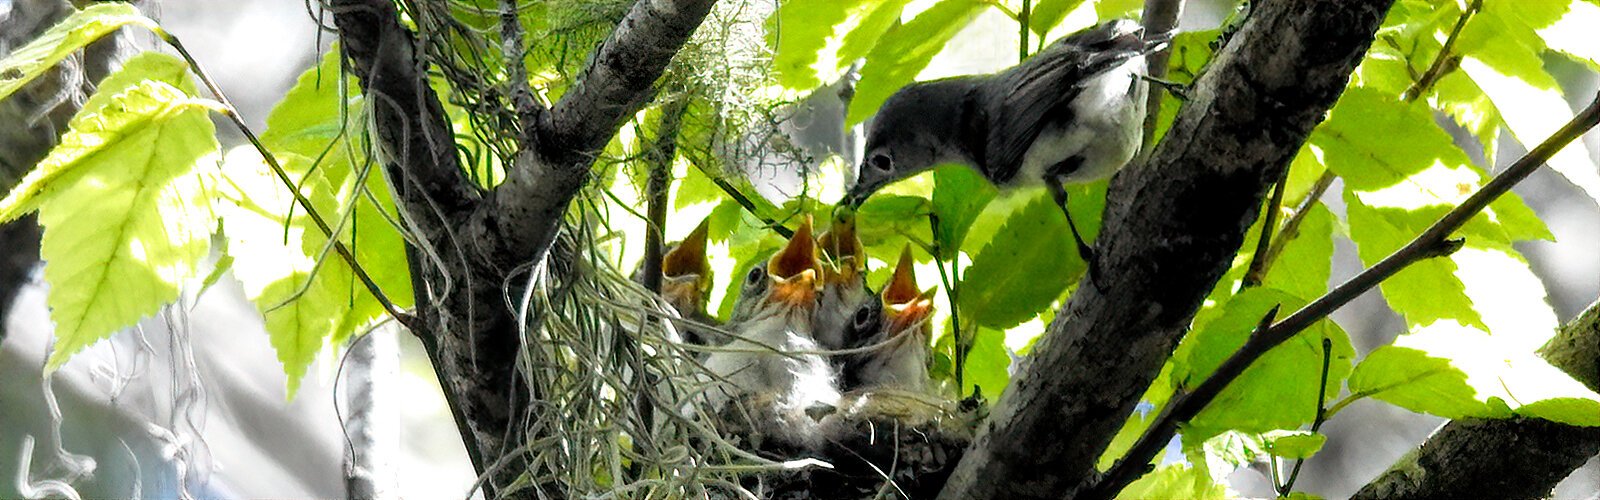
[1431, 243]
[1173, 224]
[1515, 458]
[548, 173]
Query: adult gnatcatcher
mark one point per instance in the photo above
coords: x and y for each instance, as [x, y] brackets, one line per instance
[1072, 113]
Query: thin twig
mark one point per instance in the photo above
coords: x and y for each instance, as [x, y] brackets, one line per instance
[1258, 261]
[952, 286]
[749, 206]
[1160, 17]
[232, 113]
[1022, 31]
[1431, 243]
[1444, 62]
[659, 159]
[528, 110]
[1322, 414]
[1291, 228]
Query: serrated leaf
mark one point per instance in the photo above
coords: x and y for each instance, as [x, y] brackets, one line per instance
[1294, 444]
[1303, 268]
[1425, 291]
[1533, 108]
[308, 294]
[76, 31]
[101, 125]
[959, 195]
[988, 364]
[1023, 269]
[1573, 34]
[808, 36]
[1411, 379]
[126, 210]
[1049, 13]
[904, 51]
[1176, 482]
[1279, 391]
[886, 223]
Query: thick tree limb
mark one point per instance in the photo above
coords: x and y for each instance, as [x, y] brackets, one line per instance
[527, 208]
[1173, 224]
[1516, 458]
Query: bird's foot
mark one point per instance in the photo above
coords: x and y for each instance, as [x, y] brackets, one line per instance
[1091, 260]
[1177, 90]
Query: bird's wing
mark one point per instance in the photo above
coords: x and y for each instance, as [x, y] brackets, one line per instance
[1027, 97]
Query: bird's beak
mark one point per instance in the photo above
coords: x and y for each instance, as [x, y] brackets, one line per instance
[854, 197]
[904, 305]
[843, 249]
[686, 293]
[794, 269]
[689, 257]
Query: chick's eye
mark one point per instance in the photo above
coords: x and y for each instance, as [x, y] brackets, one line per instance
[756, 275]
[863, 317]
[880, 161]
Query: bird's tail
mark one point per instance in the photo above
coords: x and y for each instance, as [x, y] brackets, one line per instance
[1113, 42]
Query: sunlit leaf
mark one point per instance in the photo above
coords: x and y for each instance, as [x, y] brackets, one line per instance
[959, 195]
[1279, 391]
[988, 364]
[126, 205]
[76, 31]
[905, 50]
[1534, 109]
[1303, 268]
[1047, 14]
[1175, 482]
[1294, 444]
[1022, 270]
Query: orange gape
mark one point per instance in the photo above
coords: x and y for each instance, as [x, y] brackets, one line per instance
[794, 269]
[904, 305]
[842, 249]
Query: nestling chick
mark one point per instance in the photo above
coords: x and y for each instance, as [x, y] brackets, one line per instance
[774, 351]
[844, 284]
[896, 328]
[686, 283]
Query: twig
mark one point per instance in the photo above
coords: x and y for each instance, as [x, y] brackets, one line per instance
[1444, 62]
[1431, 243]
[1023, 29]
[1291, 228]
[749, 206]
[528, 110]
[952, 286]
[232, 113]
[1258, 261]
[659, 159]
[1160, 16]
[1322, 414]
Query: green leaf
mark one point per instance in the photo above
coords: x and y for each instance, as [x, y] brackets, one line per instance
[1411, 379]
[126, 211]
[988, 364]
[1279, 391]
[1176, 481]
[1110, 9]
[886, 223]
[1533, 108]
[1573, 34]
[1294, 444]
[1302, 269]
[1047, 14]
[959, 195]
[1022, 270]
[308, 294]
[41, 182]
[813, 39]
[905, 50]
[76, 31]
[1425, 291]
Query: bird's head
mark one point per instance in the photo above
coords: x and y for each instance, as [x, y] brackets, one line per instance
[842, 251]
[914, 131]
[686, 273]
[792, 274]
[905, 308]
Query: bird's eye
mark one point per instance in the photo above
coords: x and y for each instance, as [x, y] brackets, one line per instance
[881, 161]
[756, 277]
[863, 319]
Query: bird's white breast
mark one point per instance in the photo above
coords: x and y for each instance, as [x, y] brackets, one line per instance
[1106, 128]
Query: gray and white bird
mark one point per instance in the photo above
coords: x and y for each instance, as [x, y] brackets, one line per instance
[686, 283]
[1072, 113]
[844, 281]
[774, 355]
[894, 332]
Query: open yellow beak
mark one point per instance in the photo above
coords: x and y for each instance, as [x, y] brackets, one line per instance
[842, 248]
[903, 305]
[794, 270]
[688, 258]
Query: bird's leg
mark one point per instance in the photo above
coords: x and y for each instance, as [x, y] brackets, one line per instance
[1059, 192]
[1177, 90]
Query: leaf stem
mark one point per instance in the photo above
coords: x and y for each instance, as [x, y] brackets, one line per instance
[1431, 243]
[1322, 414]
[339, 247]
[1259, 262]
[1291, 228]
[1444, 62]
